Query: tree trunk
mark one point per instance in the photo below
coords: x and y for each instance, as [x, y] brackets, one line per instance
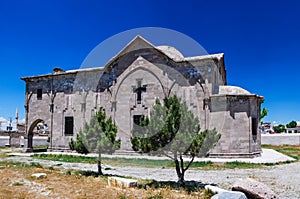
[180, 172]
[181, 179]
[99, 164]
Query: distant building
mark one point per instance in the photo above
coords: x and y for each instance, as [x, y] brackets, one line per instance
[128, 87]
[294, 130]
[266, 127]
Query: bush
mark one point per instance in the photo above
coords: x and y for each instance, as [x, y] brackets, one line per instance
[78, 145]
[72, 144]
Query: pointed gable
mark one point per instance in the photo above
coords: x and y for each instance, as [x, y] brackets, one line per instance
[135, 44]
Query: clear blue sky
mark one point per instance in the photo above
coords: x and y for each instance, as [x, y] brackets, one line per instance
[260, 39]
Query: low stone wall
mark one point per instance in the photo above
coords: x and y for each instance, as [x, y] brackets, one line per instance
[38, 141]
[21, 141]
[281, 139]
[4, 141]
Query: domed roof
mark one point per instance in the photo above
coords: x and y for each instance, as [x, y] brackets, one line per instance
[232, 90]
[171, 52]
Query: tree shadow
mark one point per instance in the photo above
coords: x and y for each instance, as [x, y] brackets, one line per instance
[190, 186]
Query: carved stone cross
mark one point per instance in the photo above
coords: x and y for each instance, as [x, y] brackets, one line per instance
[139, 89]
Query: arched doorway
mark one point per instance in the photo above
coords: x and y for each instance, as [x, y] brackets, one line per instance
[38, 127]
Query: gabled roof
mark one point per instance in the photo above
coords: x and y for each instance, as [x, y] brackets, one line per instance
[135, 44]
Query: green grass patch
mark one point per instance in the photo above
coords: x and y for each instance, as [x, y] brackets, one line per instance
[243, 165]
[142, 162]
[21, 164]
[138, 162]
[292, 151]
[41, 147]
[17, 184]
[66, 158]
[111, 161]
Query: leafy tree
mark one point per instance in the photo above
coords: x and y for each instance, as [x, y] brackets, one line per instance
[279, 129]
[98, 136]
[292, 124]
[263, 113]
[173, 130]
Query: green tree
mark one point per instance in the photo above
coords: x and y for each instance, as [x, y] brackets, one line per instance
[173, 130]
[99, 136]
[279, 129]
[263, 113]
[292, 124]
[78, 145]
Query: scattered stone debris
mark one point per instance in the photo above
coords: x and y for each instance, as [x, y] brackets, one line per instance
[121, 182]
[254, 189]
[39, 175]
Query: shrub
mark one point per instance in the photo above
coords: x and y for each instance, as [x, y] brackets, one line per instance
[72, 144]
[79, 146]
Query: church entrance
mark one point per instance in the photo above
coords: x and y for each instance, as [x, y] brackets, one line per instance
[38, 128]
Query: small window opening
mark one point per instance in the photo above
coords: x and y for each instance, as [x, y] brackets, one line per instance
[39, 93]
[69, 125]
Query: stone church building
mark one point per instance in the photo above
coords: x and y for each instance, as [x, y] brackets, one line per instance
[127, 88]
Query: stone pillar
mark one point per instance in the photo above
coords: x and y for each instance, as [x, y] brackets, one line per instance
[30, 142]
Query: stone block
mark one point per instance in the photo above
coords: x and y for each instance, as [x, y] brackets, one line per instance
[39, 175]
[121, 182]
[230, 195]
[254, 189]
[215, 189]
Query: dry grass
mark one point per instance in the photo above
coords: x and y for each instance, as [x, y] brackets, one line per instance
[16, 182]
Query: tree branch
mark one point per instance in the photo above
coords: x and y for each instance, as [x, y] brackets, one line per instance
[187, 167]
[165, 154]
[181, 161]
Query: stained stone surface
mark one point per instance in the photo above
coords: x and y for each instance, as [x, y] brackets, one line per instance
[128, 86]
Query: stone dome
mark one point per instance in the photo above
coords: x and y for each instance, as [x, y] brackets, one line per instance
[171, 52]
[232, 90]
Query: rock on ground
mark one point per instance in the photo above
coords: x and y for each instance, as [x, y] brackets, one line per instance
[39, 175]
[215, 189]
[230, 195]
[253, 189]
[121, 182]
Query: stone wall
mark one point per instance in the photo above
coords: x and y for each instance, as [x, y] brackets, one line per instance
[235, 117]
[11, 138]
[4, 141]
[22, 142]
[280, 139]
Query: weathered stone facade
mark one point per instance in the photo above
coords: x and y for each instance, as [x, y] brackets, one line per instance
[127, 87]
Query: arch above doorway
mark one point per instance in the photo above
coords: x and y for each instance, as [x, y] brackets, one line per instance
[40, 125]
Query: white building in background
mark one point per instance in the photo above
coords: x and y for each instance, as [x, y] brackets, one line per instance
[294, 130]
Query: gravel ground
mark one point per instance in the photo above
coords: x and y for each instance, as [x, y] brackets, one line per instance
[282, 179]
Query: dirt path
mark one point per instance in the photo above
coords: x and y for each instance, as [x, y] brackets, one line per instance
[282, 179]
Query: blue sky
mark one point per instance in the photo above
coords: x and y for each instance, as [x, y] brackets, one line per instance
[260, 40]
